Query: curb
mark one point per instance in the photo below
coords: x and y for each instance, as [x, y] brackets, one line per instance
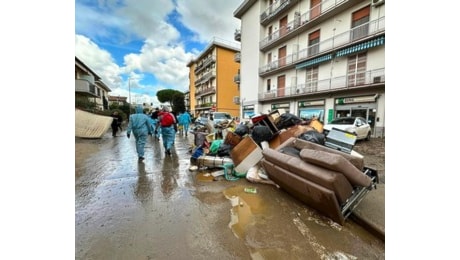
[370, 212]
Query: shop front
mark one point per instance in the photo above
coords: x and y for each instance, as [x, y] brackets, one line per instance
[248, 111]
[311, 109]
[362, 106]
[284, 106]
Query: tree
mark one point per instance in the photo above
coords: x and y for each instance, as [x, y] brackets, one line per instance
[178, 102]
[173, 97]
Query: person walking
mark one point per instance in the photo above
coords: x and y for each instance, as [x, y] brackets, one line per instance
[139, 124]
[180, 125]
[167, 123]
[157, 129]
[185, 120]
[116, 123]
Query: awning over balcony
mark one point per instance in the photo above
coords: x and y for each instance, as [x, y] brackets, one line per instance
[314, 61]
[361, 46]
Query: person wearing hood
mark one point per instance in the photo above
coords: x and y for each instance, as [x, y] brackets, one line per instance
[167, 123]
[139, 124]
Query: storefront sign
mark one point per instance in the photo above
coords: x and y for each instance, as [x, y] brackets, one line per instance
[350, 100]
[311, 103]
[276, 106]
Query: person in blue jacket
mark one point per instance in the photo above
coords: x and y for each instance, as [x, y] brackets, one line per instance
[139, 124]
[185, 121]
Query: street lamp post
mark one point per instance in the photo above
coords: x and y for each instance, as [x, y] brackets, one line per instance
[129, 92]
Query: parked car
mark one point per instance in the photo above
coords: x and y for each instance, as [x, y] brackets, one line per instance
[221, 116]
[355, 125]
[201, 120]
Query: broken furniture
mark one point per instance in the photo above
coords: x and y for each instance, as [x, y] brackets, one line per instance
[330, 181]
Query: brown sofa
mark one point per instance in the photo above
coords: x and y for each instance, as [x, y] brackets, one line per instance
[327, 180]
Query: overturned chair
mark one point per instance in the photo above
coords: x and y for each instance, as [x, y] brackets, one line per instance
[330, 181]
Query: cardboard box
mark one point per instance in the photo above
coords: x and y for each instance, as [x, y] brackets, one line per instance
[317, 125]
[285, 134]
[245, 154]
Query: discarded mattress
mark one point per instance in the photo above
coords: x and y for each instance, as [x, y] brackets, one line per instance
[330, 181]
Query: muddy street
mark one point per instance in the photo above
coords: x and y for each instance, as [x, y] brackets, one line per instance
[159, 209]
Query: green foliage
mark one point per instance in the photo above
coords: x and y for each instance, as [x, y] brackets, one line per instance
[174, 98]
[84, 103]
[166, 95]
[124, 108]
[178, 102]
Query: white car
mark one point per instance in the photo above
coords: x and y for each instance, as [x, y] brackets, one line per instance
[221, 117]
[354, 125]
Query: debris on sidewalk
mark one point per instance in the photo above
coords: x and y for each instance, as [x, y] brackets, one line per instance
[281, 149]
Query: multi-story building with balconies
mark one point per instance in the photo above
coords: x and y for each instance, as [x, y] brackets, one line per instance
[322, 58]
[213, 75]
[90, 91]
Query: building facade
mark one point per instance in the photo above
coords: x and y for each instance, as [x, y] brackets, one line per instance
[213, 79]
[90, 91]
[118, 100]
[313, 58]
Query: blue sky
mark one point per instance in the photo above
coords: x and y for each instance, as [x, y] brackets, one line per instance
[145, 45]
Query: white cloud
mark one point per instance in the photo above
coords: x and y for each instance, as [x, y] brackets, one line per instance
[115, 23]
[210, 18]
[99, 60]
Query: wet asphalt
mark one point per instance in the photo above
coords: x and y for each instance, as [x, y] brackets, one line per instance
[159, 209]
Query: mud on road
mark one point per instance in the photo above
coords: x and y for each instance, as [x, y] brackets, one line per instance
[374, 155]
[159, 209]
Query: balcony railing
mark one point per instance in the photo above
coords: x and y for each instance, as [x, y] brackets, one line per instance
[205, 105]
[205, 91]
[206, 76]
[85, 87]
[237, 35]
[205, 63]
[365, 79]
[236, 79]
[366, 30]
[237, 57]
[276, 8]
[300, 23]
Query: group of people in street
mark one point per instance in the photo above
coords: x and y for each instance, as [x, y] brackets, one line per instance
[160, 123]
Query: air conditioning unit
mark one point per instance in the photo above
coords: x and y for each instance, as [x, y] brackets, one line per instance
[377, 79]
[378, 2]
[236, 100]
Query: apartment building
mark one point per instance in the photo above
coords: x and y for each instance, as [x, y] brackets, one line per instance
[322, 58]
[90, 91]
[214, 79]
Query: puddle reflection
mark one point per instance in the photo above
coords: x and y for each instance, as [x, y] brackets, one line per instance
[245, 207]
[144, 187]
[169, 173]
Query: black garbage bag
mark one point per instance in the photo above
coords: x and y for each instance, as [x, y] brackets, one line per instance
[287, 120]
[313, 136]
[242, 130]
[261, 133]
[224, 150]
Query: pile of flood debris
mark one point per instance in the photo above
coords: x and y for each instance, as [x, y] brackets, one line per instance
[282, 149]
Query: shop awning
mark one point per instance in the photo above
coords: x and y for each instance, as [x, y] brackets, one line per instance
[314, 61]
[361, 46]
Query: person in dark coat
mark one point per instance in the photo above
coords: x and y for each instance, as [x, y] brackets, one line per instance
[116, 123]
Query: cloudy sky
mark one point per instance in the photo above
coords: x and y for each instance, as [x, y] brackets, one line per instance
[146, 44]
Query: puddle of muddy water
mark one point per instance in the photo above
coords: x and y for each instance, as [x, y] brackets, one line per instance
[244, 207]
[204, 177]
